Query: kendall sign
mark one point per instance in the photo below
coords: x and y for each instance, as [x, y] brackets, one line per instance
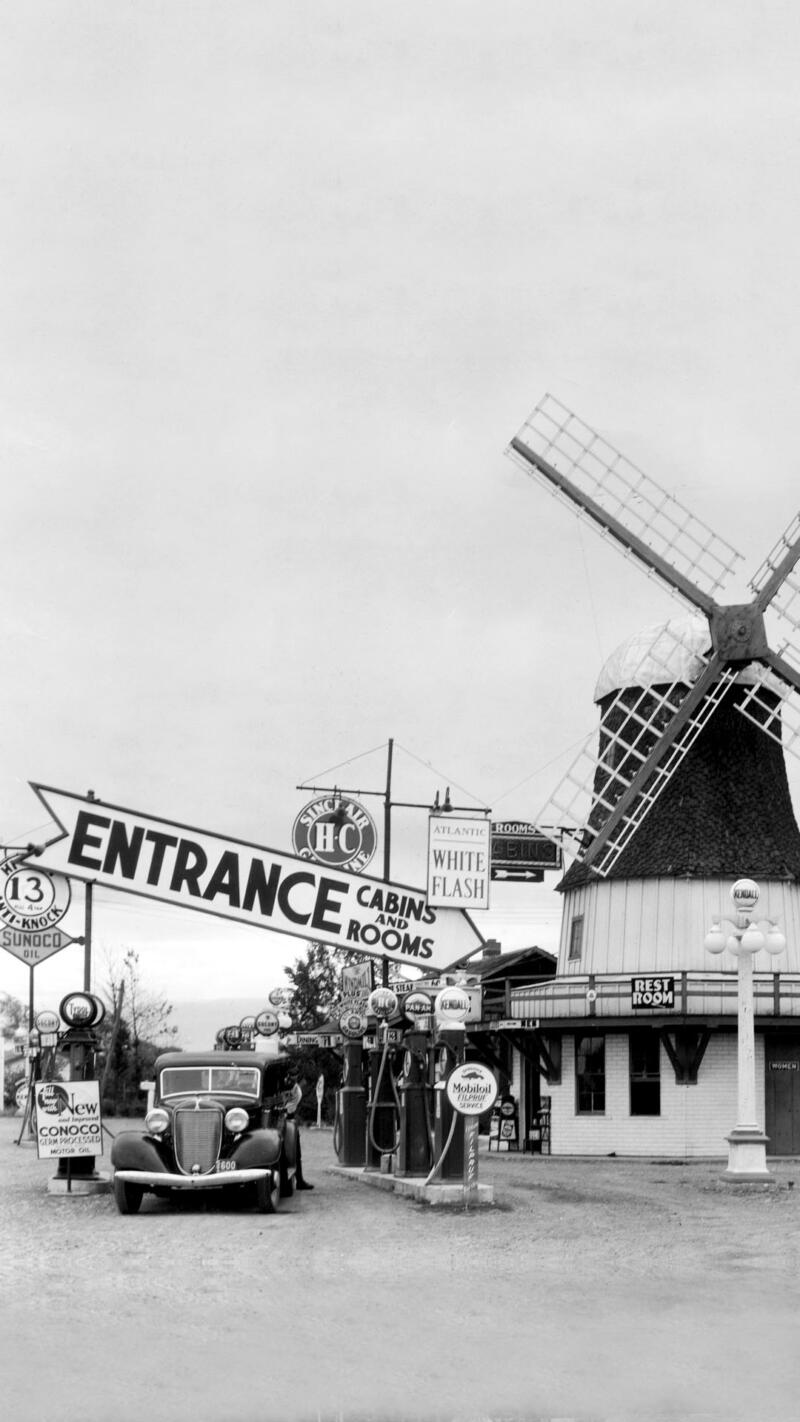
[190, 868]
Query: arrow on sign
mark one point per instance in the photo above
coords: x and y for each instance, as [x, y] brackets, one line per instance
[190, 868]
[536, 876]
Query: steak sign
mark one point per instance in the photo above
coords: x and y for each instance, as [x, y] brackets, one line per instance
[191, 868]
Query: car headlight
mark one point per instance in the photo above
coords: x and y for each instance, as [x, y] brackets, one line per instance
[236, 1119]
[156, 1121]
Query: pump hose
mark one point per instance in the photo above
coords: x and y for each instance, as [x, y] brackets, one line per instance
[373, 1107]
[337, 1125]
[440, 1162]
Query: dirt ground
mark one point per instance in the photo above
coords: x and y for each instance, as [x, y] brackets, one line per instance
[591, 1289]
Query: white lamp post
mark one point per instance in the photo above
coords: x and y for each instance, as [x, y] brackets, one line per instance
[747, 1143]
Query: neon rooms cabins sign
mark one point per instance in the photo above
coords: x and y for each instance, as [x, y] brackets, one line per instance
[191, 868]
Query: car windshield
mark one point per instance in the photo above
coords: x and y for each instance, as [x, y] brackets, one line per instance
[222, 1080]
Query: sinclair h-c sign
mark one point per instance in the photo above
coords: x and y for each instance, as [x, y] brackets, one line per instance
[191, 868]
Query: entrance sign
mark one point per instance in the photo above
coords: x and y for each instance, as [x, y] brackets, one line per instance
[336, 832]
[33, 947]
[458, 862]
[68, 1121]
[31, 899]
[190, 868]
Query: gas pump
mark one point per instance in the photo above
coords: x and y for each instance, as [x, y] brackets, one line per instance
[448, 1125]
[82, 1012]
[384, 1103]
[350, 1128]
[415, 1144]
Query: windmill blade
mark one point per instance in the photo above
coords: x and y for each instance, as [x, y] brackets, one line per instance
[777, 589]
[772, 702]
[646, 731]
[582, 469]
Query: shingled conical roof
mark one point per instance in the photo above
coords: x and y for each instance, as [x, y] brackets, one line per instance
[725, 812]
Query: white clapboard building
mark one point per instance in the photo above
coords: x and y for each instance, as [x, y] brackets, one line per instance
[636, 1035]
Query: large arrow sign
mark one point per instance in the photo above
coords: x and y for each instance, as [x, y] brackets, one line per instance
[190, 868]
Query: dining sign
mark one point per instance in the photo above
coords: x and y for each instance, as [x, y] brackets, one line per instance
[191, 868]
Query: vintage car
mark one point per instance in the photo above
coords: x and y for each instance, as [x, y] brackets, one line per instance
[219, 1121]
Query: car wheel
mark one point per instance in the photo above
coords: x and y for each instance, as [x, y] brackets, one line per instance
[268, 1193]
[127, 1196]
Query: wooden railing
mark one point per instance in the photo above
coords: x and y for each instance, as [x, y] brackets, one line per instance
[696, 994]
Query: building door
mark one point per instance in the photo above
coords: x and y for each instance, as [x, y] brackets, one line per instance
[782, 1095]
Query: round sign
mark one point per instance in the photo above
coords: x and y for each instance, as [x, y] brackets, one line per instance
[248, 1025]
[279, 997]
[382, 1002]
[47, 1021]
[453, 1003]
[82, 1009]
[232, 1036]
[471, 1089]
[416, 1005]
[267, 1023]
[353, 1024]
[32, 899]
[336, 832]
[745, 894]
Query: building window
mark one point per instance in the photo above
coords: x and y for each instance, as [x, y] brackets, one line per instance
[576, 938]
[645, 1069]
[590, 1074]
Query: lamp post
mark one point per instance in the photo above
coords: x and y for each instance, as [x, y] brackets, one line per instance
[743, 939]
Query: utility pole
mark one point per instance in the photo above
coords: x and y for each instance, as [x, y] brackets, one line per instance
[388, 805]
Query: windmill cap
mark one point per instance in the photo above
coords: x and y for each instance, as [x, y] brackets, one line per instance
[666, 652]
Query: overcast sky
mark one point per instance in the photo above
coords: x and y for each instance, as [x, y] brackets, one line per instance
[279, 283]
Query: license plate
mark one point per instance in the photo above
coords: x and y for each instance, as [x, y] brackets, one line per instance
[226, 1165]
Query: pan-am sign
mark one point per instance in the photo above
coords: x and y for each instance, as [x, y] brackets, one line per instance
[190, 868]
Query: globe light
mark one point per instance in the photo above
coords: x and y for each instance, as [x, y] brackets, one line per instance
[733, 945]
[775, 941]
[752, 939]
[715, 940]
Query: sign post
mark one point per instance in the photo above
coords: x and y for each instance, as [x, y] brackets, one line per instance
[471, 1090]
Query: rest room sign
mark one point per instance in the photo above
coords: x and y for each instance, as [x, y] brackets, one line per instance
[652, 992]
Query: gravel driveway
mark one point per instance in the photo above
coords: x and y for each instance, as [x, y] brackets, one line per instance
[590, 1289]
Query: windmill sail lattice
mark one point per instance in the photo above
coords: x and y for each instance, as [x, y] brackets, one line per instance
[647, 734]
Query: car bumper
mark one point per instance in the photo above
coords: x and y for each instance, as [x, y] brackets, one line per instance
[217, 1181]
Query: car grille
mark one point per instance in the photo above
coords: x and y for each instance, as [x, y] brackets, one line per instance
[198, 1133]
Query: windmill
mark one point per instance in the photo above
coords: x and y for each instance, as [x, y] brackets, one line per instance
[689, 666]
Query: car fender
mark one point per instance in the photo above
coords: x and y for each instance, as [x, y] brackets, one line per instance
[133, 1151]
[259, 1148]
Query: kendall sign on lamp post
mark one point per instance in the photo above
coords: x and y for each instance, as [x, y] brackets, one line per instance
[190, 868]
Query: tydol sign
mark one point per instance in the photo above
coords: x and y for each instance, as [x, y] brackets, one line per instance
[190, 868]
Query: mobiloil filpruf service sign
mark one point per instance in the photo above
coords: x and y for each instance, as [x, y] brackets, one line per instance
[336, 832]
[190, 868]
